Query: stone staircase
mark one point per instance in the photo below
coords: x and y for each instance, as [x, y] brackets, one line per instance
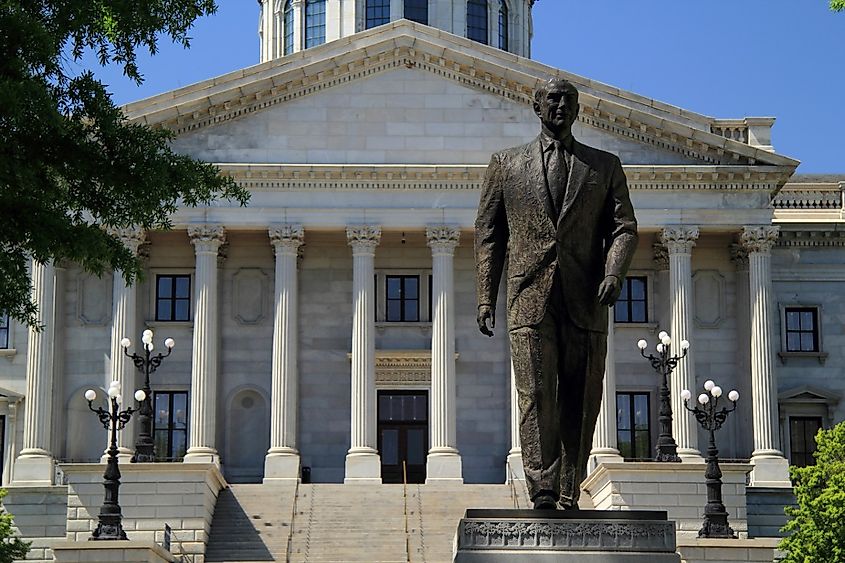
[346, 523]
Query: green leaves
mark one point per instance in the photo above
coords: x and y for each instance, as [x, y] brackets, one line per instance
[817, 525]
[12, 548]
[837, 5]
[70, 163]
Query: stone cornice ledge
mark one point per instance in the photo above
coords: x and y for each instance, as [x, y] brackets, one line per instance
[274, 177]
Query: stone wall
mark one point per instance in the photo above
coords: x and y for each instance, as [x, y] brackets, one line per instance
[40, 516]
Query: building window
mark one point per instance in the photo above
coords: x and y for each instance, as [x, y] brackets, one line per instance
[503, 27]
[378, 12]
[403, 299]
[802, 329]
[477, 20]
[632, 305]
[170, 424]
[4, 331]
[417, 11]
[633, 432]
[173, 298]
[802, 439]
[288, 27]
[315, 23]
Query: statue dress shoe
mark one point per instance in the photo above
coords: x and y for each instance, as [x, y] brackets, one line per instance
[545, 501]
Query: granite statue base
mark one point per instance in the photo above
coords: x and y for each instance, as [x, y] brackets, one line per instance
[573, 536]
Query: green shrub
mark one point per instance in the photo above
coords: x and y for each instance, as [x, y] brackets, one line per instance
[11, 547]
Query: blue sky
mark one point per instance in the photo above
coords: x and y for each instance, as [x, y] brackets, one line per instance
[723, 58]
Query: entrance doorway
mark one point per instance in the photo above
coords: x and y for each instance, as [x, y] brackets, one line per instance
[403, 434]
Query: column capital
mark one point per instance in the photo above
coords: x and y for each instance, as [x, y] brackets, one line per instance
[679, 239]
[443, 239]
[207, 238]
[759, 239]
[131, 237]
[739, 256]
[287, 238]
[363, 238]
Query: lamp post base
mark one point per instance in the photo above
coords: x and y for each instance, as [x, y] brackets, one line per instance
[108, 531]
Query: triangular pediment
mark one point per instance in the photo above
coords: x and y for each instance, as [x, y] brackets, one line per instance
[621, 122]
[808, 394]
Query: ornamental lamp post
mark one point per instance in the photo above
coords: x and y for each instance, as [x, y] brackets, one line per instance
[664, 363]
[711, 418]
[109, 526]
[146, 364]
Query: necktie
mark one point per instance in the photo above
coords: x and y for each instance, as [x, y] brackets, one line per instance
[558, 174]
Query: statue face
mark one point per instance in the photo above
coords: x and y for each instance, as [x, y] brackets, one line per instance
[558, 109]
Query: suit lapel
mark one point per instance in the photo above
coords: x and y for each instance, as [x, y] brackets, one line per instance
[538, 181]
[577, 176]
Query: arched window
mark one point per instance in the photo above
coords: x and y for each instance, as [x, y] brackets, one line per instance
[288, 27]
[477, 20]
[378, 12]
[315, 23]
[503, 27]
[416, 11]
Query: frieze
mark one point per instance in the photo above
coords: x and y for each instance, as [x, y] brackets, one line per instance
[810, 239]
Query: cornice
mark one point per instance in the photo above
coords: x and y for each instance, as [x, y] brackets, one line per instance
[810, 238]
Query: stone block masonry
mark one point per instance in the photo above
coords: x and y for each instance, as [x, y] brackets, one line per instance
[39, 516]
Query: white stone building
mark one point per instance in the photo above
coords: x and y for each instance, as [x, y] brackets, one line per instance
[330, 324]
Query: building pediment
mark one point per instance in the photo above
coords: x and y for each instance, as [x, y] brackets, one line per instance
[808, 394]
[690, 137]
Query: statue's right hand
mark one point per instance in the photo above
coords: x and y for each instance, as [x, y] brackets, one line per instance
[486, 313]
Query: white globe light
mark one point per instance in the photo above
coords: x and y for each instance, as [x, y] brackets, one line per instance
[659, 348]
[716, 391]
[662, 334]
[147, 333]
[90, 395]
[642, 344]
[147, 337]
[140, 395]
[666, 340]
[114, 392]
[170, 343]
[703, 399]
[684, 344]
[709, 385]
[114, 383]
[150, 347]
[733, 396]
[125, 343]
[686, 395]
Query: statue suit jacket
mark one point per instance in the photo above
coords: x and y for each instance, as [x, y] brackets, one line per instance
[594, 235]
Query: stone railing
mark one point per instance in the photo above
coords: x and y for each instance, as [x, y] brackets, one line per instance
[730, 129]
[829, 195]
[754, 131]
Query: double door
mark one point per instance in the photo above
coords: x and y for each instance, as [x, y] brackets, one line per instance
[403, 435]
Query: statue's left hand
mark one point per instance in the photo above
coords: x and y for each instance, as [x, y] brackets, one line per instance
[609, 290]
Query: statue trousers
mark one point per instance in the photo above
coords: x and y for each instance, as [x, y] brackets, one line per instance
[558, 369]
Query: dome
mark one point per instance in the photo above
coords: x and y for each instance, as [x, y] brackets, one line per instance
[288, 26]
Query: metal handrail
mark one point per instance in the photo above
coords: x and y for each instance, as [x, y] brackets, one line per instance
[292, 518]
[182, 555]
[405, 499]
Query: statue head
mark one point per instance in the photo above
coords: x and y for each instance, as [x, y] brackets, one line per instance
[556, 104]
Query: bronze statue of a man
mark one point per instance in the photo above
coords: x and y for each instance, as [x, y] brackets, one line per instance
[558, 212]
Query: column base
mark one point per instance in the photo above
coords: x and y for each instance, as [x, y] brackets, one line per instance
[689, 455]
[202, 455]
[771, 469]
[363, 465]
[281, 465]
[444, 465]
[34, 468]
[515, 469]
[603, 455]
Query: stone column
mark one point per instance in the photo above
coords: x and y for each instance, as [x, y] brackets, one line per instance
[770, 467]
[282, 461]
[515, 469]
[298, 7]
[444, 461]
[679, 242]
[207, 240]
[124, 308]
[605, 448]
[363, 463]
[34, 465]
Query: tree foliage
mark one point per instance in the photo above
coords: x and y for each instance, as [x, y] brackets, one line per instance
[12, 548]
[837, 5]
[817, 524]
[71, 165]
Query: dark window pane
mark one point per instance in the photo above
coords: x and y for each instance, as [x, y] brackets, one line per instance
[394, 310]
[160, 442]
[624, 296]
[183, 311]
[620, 313]
[477, 20]
[420, 408]
[633, 425]
[384, 407]
[180, 446]
[792, 320]
[4, 331]
[808, 343]
[183, 287]
[315, 23]
[625, 445]
[640, 411]
[623, 412]
[378, 12]
[288, 28]
[180, 410]
[394, 287]
[412, 311]
[503, 27]
[163, 312]
[638, 313]
[793, 342]
[411, 288]
[638, 289]
[416, 446]
[389, 446]
[417, 10]
[807, 320]
[642, 446]
[165, 284]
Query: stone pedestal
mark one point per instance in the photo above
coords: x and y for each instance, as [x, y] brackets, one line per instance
[678, 488]
[582, 536]
[115, 551]
[705, 550]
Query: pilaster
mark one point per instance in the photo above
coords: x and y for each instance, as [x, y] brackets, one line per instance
[207, 240]
[34, 465]
[679, 242]
[298, 24]
[605, 448]
[770, 466]
[444, 461]
[363, 464]
[283, 461]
